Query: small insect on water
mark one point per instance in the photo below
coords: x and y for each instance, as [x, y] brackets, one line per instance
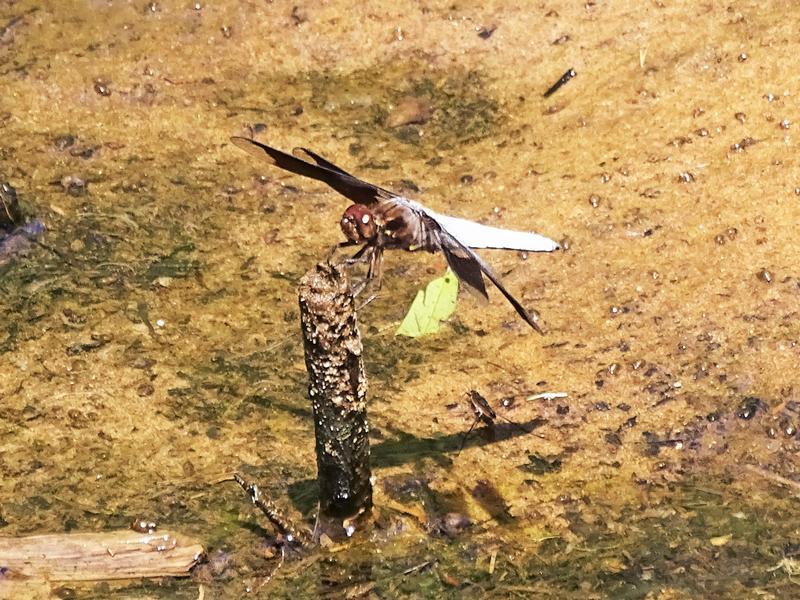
[381, 220]
[483, 413]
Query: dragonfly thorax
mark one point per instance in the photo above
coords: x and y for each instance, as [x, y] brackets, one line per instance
[358, 224]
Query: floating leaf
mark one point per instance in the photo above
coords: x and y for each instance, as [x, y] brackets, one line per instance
[431, 307]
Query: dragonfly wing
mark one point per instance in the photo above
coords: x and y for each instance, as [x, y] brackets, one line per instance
[350, 187]
[302, 153]
[451, 246]
[466, 269]
[477, 235]
[467, 265]
[429, 235]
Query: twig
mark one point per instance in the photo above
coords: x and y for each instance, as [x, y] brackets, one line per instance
[273, 513]
[419, 567]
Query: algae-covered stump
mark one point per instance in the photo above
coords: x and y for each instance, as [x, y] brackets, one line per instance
[337, 387]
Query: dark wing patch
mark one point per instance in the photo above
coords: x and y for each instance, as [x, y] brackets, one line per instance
[466, 269]
[469, 263]
[426, 233]
[348, 186]
[305, 152]
[301, 152]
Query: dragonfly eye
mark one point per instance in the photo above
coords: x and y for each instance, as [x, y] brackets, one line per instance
[358, 224]
[367, 227]
[350, 229]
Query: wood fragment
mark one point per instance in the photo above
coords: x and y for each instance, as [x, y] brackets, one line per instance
[107, 555]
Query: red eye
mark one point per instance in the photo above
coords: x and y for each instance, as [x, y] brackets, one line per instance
[356, 212]
[358, 223]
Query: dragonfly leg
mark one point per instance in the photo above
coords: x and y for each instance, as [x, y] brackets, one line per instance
[369, 299]
[364, 254]
[339, 246]
[359, 287]
[375, 271]
[374, 276]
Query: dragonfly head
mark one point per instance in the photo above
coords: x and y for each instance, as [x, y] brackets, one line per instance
[358, 224]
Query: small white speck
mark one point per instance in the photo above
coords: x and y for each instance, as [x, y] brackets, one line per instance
[161, 322]
[548, 396]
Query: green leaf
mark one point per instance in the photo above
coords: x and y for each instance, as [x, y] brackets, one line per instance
[431, 307]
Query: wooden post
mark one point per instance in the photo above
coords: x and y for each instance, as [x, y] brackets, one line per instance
[338, 389]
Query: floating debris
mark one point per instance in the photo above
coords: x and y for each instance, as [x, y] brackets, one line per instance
[10, 214]
[142, 525]
[749, 407]
[486, 32]
[765, 276]
[548, 396]
[73, 185]
[431, 307]
[564, 79]
[743, 144]
[451, 525]
[102, 87]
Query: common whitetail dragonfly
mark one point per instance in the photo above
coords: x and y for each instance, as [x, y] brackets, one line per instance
[381, 220]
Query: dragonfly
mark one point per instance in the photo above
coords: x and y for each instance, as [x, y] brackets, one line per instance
[380, 220]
